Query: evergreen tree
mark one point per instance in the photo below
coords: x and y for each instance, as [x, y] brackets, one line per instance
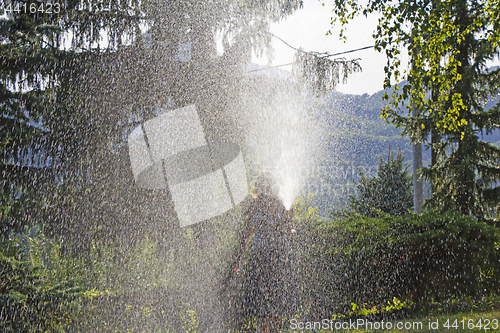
[388, 190]
[26, 91]
[37, 127]
[449, 43]
[35, 141]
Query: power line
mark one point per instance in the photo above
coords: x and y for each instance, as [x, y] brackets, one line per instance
[281, 40]
[299, 50]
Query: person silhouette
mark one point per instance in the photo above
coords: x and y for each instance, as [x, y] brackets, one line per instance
[269, 290]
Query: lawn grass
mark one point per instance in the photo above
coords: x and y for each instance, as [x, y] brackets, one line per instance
[425, 321]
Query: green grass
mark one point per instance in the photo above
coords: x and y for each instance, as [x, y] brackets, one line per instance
[441, 320]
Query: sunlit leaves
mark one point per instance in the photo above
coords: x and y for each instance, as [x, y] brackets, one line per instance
[31, 297]
[434, 36]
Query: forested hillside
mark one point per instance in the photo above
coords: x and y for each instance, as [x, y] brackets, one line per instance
[355, 136]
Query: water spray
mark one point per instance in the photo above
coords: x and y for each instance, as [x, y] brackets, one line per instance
[281, 138]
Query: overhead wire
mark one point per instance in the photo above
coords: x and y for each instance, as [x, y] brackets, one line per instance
[299, 50]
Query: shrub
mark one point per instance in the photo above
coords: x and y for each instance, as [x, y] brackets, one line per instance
[423, 257]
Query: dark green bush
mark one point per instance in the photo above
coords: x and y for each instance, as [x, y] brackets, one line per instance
[420, 258]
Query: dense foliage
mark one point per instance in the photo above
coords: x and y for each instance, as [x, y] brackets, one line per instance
[371, 260]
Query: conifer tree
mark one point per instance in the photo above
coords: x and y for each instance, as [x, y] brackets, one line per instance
[28, 59]
[388, 190]
[448, 82]
[35, 136]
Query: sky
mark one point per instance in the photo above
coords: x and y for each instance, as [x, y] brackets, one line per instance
[307, 29]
